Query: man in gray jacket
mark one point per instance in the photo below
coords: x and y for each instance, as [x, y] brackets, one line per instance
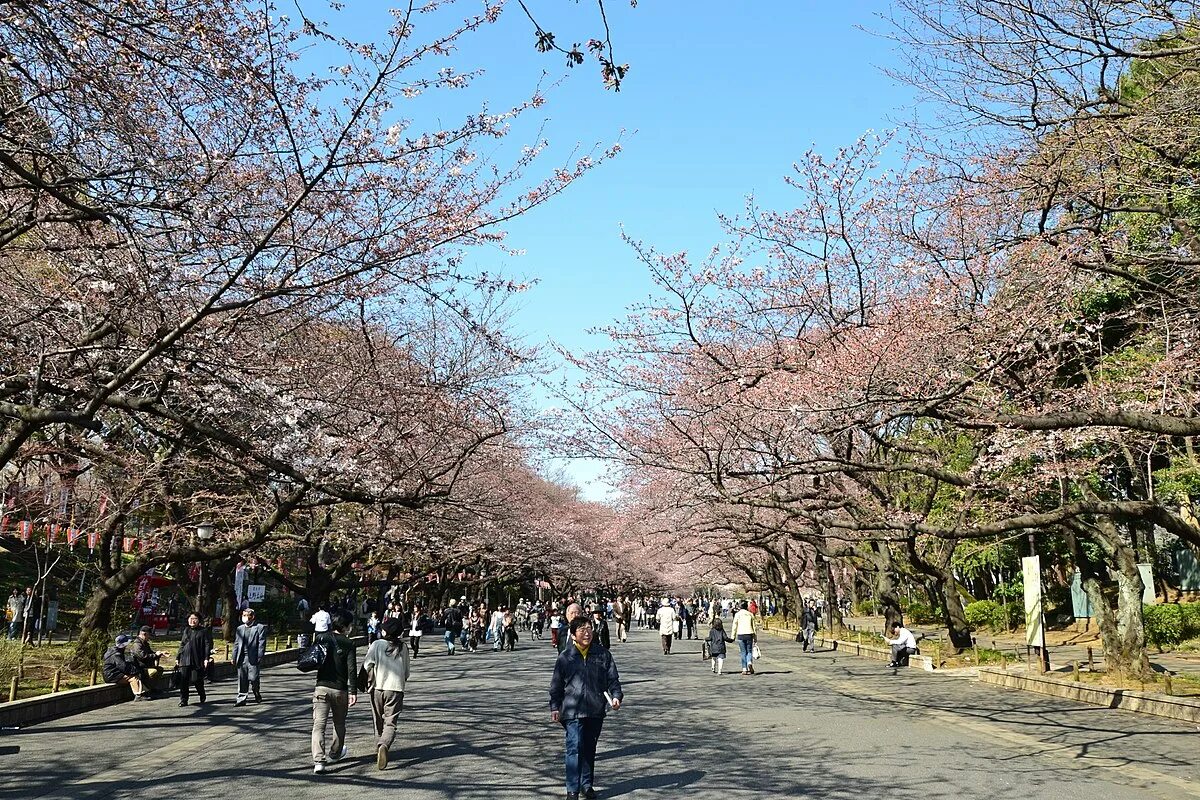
[249, 647]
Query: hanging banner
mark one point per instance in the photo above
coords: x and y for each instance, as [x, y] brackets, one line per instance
[73, 535]
[1031, 567]
[52, 532]
[127, 544]
[25, 528]
[93, 539]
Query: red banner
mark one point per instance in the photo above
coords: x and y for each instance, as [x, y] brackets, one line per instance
[73, 535]
[26, 530]
[127, 544]
[93, 539]
[52, 533]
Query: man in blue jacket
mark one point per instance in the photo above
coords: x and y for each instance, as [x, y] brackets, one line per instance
[584, 685]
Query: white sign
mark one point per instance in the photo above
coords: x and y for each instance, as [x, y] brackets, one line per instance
[256, 593]
[1032, 569]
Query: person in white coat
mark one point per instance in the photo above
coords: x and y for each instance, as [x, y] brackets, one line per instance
[667, 618]
[387, 665]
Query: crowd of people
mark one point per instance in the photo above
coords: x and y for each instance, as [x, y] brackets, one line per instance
[584, 686]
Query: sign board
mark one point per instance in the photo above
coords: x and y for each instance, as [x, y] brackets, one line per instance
[1148, 595]
[1081, 604]
[1031, 566]
[256, 592]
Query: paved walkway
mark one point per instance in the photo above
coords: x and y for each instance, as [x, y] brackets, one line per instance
[475, 726]
[1065, 647]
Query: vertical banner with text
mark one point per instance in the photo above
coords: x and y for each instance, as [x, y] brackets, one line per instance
[1031, 566]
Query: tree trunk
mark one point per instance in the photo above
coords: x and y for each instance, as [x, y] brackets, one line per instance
[1116, 599]
[94, 629]
[885, 586]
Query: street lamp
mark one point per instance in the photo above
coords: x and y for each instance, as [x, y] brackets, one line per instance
[204, 532]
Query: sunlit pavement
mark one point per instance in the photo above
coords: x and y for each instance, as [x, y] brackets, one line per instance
[476, 726]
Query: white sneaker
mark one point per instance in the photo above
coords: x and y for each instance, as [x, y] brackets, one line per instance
[318, 768]
[345, 752]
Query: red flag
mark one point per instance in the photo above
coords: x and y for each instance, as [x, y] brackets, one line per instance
[4, 518]
[103, 506]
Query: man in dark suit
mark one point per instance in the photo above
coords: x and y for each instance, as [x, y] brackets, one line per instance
[249, 647]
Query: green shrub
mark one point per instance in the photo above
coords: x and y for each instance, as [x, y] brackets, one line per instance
[920, 611]
[984, 614]
[990, 614]
[1191, 620]
[1163, 625]
[864, 607]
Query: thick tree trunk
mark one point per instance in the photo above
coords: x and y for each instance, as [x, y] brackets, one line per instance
[945, 589]
[1116, 600]
[885, 586]
[94, 628]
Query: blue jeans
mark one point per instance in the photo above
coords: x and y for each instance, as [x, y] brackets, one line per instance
[746, 647]
[450, 639]
[580, 751]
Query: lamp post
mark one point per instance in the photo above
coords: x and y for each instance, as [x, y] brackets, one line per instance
[204, 532]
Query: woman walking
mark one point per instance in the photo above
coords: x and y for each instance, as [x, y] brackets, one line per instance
[745, 630]
[419, 623]
[387, 666]
[195, 654]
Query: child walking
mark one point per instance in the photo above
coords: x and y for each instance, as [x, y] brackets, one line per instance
[716, 644]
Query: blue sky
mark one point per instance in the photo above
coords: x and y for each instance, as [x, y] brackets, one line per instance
[720, 100]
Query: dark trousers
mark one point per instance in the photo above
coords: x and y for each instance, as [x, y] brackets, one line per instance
[188, 675]
[690, 625]
[666, 640]
[900, 654]
[580, 751]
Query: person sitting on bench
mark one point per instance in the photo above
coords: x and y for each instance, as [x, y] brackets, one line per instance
[119, 669]
[903, 646]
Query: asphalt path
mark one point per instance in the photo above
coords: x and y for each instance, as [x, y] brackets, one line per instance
[476, 726]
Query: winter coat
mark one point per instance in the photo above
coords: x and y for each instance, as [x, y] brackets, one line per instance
[116, 665]
[339, 670]
[716, 641]
[578, 685]
[195, 648]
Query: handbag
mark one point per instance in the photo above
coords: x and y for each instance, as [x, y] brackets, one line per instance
[312, 658]
[705, 653]
[756, 653]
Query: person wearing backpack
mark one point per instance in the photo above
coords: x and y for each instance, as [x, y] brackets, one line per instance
[387, 664]
[335, 692]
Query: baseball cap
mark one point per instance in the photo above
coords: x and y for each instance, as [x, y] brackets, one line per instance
[122, 640]
[321, 621]
[147, 629]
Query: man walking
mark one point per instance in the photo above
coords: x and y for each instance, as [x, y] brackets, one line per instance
[584, 684]
[621, 614]
[453, 620]
[667, 618]
[249, 647]
[335, 692]
[16, 613]
[808, 626]
[574, 610]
